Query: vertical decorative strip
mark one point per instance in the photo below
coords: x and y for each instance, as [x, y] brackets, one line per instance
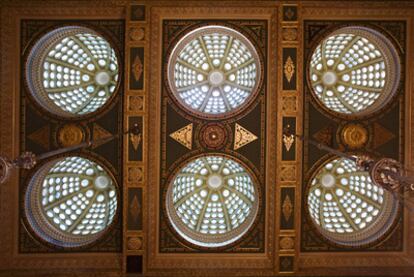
[135, 113]
[289, 113]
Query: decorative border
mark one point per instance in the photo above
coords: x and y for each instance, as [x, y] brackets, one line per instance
[135, 147]
[289, 114]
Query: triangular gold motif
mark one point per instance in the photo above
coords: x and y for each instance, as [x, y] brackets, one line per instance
[242, 137]
[184, 136]
[41, 137]
[381, 135]
[99, 134]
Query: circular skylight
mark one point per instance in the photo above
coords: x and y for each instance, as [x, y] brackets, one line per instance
[346, 206]
[212, 201]
[72, 71]
[355, 71]
[71, 201]
[214, 71]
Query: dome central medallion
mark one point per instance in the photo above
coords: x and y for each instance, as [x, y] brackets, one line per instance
[214, 136]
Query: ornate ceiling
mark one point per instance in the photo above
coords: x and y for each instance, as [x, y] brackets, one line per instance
[210, 186]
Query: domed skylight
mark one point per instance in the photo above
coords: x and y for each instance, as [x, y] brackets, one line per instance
[354, 71]
[70, 202]
[72, 71]
[346, 206]
[212, 201]
[214, 71]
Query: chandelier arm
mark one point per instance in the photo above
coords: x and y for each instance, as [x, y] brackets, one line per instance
[27, 160]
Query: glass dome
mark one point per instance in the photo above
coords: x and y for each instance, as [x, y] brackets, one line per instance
[212, 201]
[72, 71]
[70, 202]
[355, 70]
[346, 206]
[214, 71]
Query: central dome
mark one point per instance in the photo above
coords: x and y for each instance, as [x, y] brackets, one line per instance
[214, 71]
[212, 201]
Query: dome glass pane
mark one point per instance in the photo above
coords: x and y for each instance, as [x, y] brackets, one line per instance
[354, 70]
[70, 202]
[214, 71]
[72, 71]
[212, 201]
[346, 206]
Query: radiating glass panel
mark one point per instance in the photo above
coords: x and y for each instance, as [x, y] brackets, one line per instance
[354, 71]
[71, 200]
[72, 71]
[345, 203]
[214, 70]
[212, 201]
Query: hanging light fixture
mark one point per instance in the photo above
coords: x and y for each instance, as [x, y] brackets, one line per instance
[27, 160]
[386, 173]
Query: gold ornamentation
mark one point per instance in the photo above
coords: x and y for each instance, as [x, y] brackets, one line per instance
[41, 136]
[136, 34]
[287, 208]
[137, 68]
[138, 12]
[134, 243]
[289, 69]
[289, 34]
[289, 13]
[213, 135]
[289, 104]
[135, 209]
[135, 175]
[6, 167]
[184, 136]
[288, 173]
[136, 103]
[381, 136]
[354, 135]
[135, 139]
[286, 264]
[70, 134]
[242, 137]
[99, 135]
[286, 243]
[288, 141]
